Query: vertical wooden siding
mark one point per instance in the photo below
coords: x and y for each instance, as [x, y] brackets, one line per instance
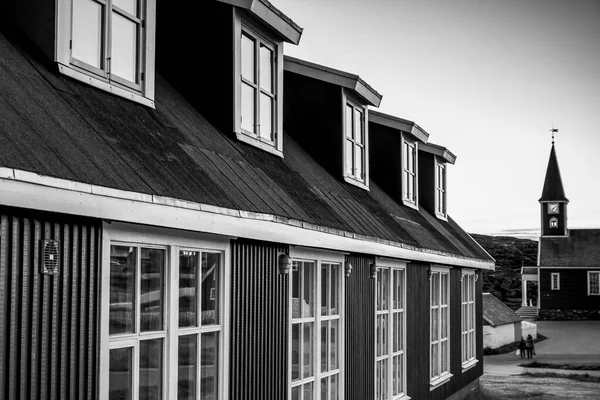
[48, 324]
[259, 322]
[417, 340]
[360, 331]
[573, 292]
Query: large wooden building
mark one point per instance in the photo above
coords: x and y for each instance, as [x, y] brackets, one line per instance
[568, 272]
[173, 229]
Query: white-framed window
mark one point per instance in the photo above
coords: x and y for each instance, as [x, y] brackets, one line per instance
[439, 351]
[163, 324]
[555, 281]
[409, 172]
[553, 222]
[440, 189]
[258, 86]
[109, 44]
[468, 325]
[390, 331]
[316, 331]
[355, 142]
[593, 283]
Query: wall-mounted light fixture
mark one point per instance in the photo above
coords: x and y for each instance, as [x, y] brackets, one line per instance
[373, 271]
[476, 275]
[283, 263]
[429, 274]
[347, 268]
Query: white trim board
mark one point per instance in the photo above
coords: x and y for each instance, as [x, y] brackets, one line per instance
[29, 190]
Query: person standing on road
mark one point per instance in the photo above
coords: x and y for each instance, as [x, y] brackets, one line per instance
[529, 346]
[522, 347]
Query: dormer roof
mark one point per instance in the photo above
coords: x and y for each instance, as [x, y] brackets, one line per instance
[553, 187]
[439, 151]
[270, 15]
[344, 79]
[399, 124]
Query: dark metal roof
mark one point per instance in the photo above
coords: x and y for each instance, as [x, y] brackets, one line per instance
[581, 248]
[553, 187]
[55, 126]
[497, 313]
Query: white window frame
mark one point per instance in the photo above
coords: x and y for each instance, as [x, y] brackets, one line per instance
[143, 92]
[441, 184]
[362, 182]
[589, 283]
[390, 265]
[243, 23]
[173, 242]
[443, 376]
[318, 257]
[414, 172]
[552, 282]
[553, 223]
[468, 319]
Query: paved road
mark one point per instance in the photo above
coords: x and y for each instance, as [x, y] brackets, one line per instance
[574, 342]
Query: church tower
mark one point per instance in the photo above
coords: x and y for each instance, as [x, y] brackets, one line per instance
[553, 201]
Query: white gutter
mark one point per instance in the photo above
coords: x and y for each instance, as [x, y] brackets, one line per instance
[29, 190]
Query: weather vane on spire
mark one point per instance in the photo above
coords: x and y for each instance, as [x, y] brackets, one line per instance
[553, 130]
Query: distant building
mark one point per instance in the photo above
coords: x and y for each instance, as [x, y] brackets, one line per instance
[501, 325]
[568, 272]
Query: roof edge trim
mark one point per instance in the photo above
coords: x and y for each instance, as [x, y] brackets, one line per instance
[439, 151]
[266, 12]
[30, 190]
[401, 124]
[335, 77]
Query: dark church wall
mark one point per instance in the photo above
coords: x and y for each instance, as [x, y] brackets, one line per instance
[573, 292]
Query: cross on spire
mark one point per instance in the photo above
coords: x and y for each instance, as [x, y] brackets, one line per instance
[553, 130]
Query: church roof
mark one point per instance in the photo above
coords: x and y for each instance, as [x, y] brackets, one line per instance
[496, 312]
[580, 249]
[553, 187]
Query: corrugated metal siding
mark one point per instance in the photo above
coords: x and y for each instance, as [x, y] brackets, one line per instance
[360, 331]
[48, 324]
[259, 322]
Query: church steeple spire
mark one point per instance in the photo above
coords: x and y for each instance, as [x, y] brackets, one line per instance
[553, 200]
[553, 187]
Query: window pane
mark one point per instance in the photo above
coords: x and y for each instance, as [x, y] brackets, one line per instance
[434, 360]
[358, 127]
[186, 381]
[296, 393]
[151, 295]
[308, 391]
[248, 58]
[444, 356]
[296, 290]
[248, 99]
[209, 362]
[188, 290]
[308, 304]
[385, 282]
[335, 291]
[384, 334]
[333, 344]
[349, 157]
[307, 350]
[395, 332]
[151, 366]
[349, 118]
[296, 351]
[359, 162]
[435, 324]
[123, 261]
[210, 288]
[324, 344]
[266, 117]
[87, 32]
[411, 159]
[266, 74]
[334, 390]
[324, 288]
[121, 374]
[124, 48]
[129, 6]
[324, 388]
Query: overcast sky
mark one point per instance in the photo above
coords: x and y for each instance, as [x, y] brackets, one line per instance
[487, 79]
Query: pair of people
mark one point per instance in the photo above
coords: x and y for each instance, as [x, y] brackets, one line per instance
[526, 347]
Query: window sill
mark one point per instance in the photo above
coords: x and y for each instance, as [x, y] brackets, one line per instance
[260, 144]
[410, 204]
[436, 383]
[108, 87]
[355, 182]
[469, 364]
[443, 217]
[401, 397]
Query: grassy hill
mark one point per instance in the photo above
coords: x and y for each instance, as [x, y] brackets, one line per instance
[510, 254]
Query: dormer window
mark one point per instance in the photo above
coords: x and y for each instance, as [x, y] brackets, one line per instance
[259, 88]
[440, 189]
[355, 142]
[409, 172]
[553, 222]
[110, 45]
